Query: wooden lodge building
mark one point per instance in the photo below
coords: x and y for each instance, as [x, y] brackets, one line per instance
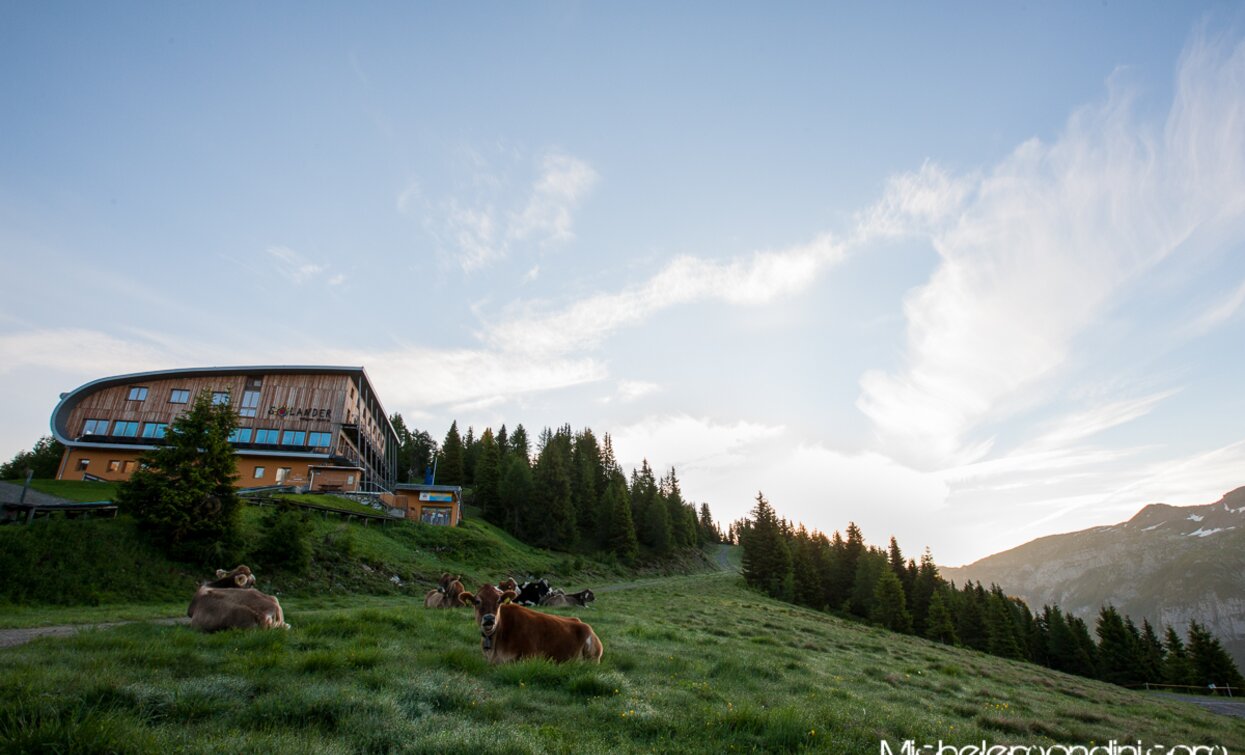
[316, 428]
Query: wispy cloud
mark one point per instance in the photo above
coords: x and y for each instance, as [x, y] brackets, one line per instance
[296, 268]
[483, 223]
[562, 183]
[689, 443]
[753, 280]
[1043, 244]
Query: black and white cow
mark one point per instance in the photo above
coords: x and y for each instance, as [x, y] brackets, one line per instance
[531, 593]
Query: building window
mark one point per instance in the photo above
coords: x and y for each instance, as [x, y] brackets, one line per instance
[293, 438]
[138, 394]
[240, 435]
[319, 440]
[95, 427]
[179, 396]
[437, 516]
[220, 398]
[154, 429]
[259, 473]
[267, 436]
[127, 466]
[125, 429]
[250, 400]
[282, 473]
[114, 466]
[83, 464]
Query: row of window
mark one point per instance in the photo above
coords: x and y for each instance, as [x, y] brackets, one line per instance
[267, 436]
[125, 429]
[250, 399]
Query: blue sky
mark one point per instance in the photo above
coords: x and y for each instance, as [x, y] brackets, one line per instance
[967, 274]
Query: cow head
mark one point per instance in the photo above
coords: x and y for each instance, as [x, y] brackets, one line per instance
[508, 584]
[586, 597]
[446, 581]
[239, 577]
[487, 600]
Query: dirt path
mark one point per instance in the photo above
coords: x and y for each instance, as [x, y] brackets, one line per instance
[13, 637]
[1220, 705]
[10, 493]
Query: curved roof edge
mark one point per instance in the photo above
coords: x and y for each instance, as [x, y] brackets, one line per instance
[71, 398]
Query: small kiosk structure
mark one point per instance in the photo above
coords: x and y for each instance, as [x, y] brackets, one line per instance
[441, 505]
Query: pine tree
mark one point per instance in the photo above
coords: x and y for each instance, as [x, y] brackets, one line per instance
[1177, 666]
[839, 584]
[1151, 654]
[519, 444]
[1211, 663]
[923, 588]
[619, 534]
[516, 494]
[471, 451]
[869, 568]
[939, 626]
[554, 518]
[586, 484]
[488, 479]
[452, 458]
[682, 530]
[708, 530]
[182, 493]
[806, 580]
[766, 558]
[43, 460]
[889, 605]
[1118, 656]
[970, 617]
[1001, 635]
[1087, 651]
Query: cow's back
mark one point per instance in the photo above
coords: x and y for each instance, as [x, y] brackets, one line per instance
[214, 609]
[525, 633]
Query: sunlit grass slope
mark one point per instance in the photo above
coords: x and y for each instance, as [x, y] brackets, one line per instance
[692, 664]
[74, 571]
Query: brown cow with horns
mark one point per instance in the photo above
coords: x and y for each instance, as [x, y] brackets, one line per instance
[510, 632]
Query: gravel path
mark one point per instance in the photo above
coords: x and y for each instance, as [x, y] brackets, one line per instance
[10, 493]
[12, 637]
[1222, 706]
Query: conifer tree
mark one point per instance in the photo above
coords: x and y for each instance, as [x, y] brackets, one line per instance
[554, 516]
[806, 580]
[923, 588]
[488, 479]
[839, 584]
[471, 451]
[619, 535]
[1118, 656]
[889, 605]
[586, 483]
[869, 568]
[682, 530]
[766, 558]
[1177, 666]
[939, 626]
[1087, 651]
[450, 464]
[503, 442]
[182, 493]
[970, 617]
[1001, 639]
[516, 494]
[519, 444]
[1151, 654]
[1211, 663]
[708, 530]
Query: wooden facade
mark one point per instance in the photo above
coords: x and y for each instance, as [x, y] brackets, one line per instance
[440, 505]
[312, 427]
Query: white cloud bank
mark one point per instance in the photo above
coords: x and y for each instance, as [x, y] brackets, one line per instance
[1039, 248]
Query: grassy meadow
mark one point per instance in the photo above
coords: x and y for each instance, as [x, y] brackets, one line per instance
[692, 664]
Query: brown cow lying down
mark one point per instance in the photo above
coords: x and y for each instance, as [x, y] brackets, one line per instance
[232, 602]
[509, 632]
[446, 595]
[558, 599]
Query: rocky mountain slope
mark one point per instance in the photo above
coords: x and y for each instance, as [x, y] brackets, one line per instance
[1168, 564]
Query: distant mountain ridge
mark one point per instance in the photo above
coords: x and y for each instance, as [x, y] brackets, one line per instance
[1168, 564]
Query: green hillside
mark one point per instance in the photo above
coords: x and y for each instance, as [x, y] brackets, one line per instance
[692, 664]
[98, 569]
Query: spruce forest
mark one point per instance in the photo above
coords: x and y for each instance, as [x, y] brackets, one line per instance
[846, 577]
[565, 491]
